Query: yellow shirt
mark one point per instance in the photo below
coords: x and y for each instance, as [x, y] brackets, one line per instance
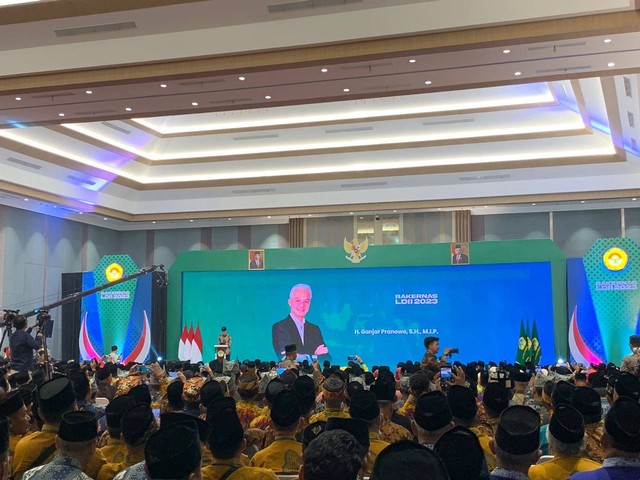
[322, 416]
[110, 470]
[561, 468]
[484, 440]
[376, 445]
[13, 441]
[219, 467]
[32, 446]
[284, 455]
[408, 408]
[114, 451]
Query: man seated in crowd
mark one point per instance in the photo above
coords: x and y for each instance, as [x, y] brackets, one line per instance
[587, 401]
[55, 397]
[114, 449]
[76, 444]
[566, 442]
[621, 443]
[364, 406]
[432, 418]
[172, 452]
[284, 454]
[137, 425]
[333, 394]
[12, 407]
[516, 444]
[464, 409]
[385, 391]
[226, 442]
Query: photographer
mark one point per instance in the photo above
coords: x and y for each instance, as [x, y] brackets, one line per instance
[22, 345]
[430, 361]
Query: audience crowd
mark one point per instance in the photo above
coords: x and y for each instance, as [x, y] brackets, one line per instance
[257, 420]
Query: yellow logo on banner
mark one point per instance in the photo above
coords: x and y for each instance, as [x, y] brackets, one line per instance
[615, 259]
[114, 272]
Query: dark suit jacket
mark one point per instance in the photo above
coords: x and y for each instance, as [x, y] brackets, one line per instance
[463, 258]
[254, 265]
[285, 332]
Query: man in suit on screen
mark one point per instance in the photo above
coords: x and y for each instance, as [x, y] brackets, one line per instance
[295, 329]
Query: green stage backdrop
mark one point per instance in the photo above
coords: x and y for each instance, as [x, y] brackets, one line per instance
[381, 307]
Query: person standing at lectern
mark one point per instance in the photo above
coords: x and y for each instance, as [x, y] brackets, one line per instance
[225, 339]
[295, 329]
[22, 345]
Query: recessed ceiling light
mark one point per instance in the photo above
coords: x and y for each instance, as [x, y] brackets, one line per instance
[395, 211]
[413, 60]
[428, 82]
[153, 221]
[517, 74]
[533, 204]
[267, 97]
[268, 216]
[229, 218]
[18, 98]
[128, 109]
[61, 114]
[242, 79]
[104, 218]
[439, 209]
[581, 201]
[346, 90]
[350, 213]
[195, 104]
[506, 50]
[607, 40]
[324, 70]
[611, 64]
[163, 85]
[309, 215]
[26, 199]
[485, 206]
[191, 221]
[79, 213]
[89, 92]
[634, 199]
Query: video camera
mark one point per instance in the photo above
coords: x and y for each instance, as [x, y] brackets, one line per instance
[9, 318]
[453, 351]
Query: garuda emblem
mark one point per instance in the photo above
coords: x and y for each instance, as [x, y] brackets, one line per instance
[355, 250]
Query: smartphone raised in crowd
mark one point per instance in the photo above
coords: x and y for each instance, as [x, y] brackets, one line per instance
[445, 376]
[352, 358]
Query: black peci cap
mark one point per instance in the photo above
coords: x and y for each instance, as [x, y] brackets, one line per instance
[364, 405]
[56, 395]
[355, 426]
[518, 431]
[173, 418]
[285, 410]
[78, 427]
[622, 423]
[587, 401]
[10, 403]
[432, 411]
[138, 424]
[567, 424]
[290, 348]
[461, 452]
[312, 432]
[628, 385]
[304, 389]
[496, 397]
[173, 452]
[462, 402]
[562, 394]
[116, 408]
